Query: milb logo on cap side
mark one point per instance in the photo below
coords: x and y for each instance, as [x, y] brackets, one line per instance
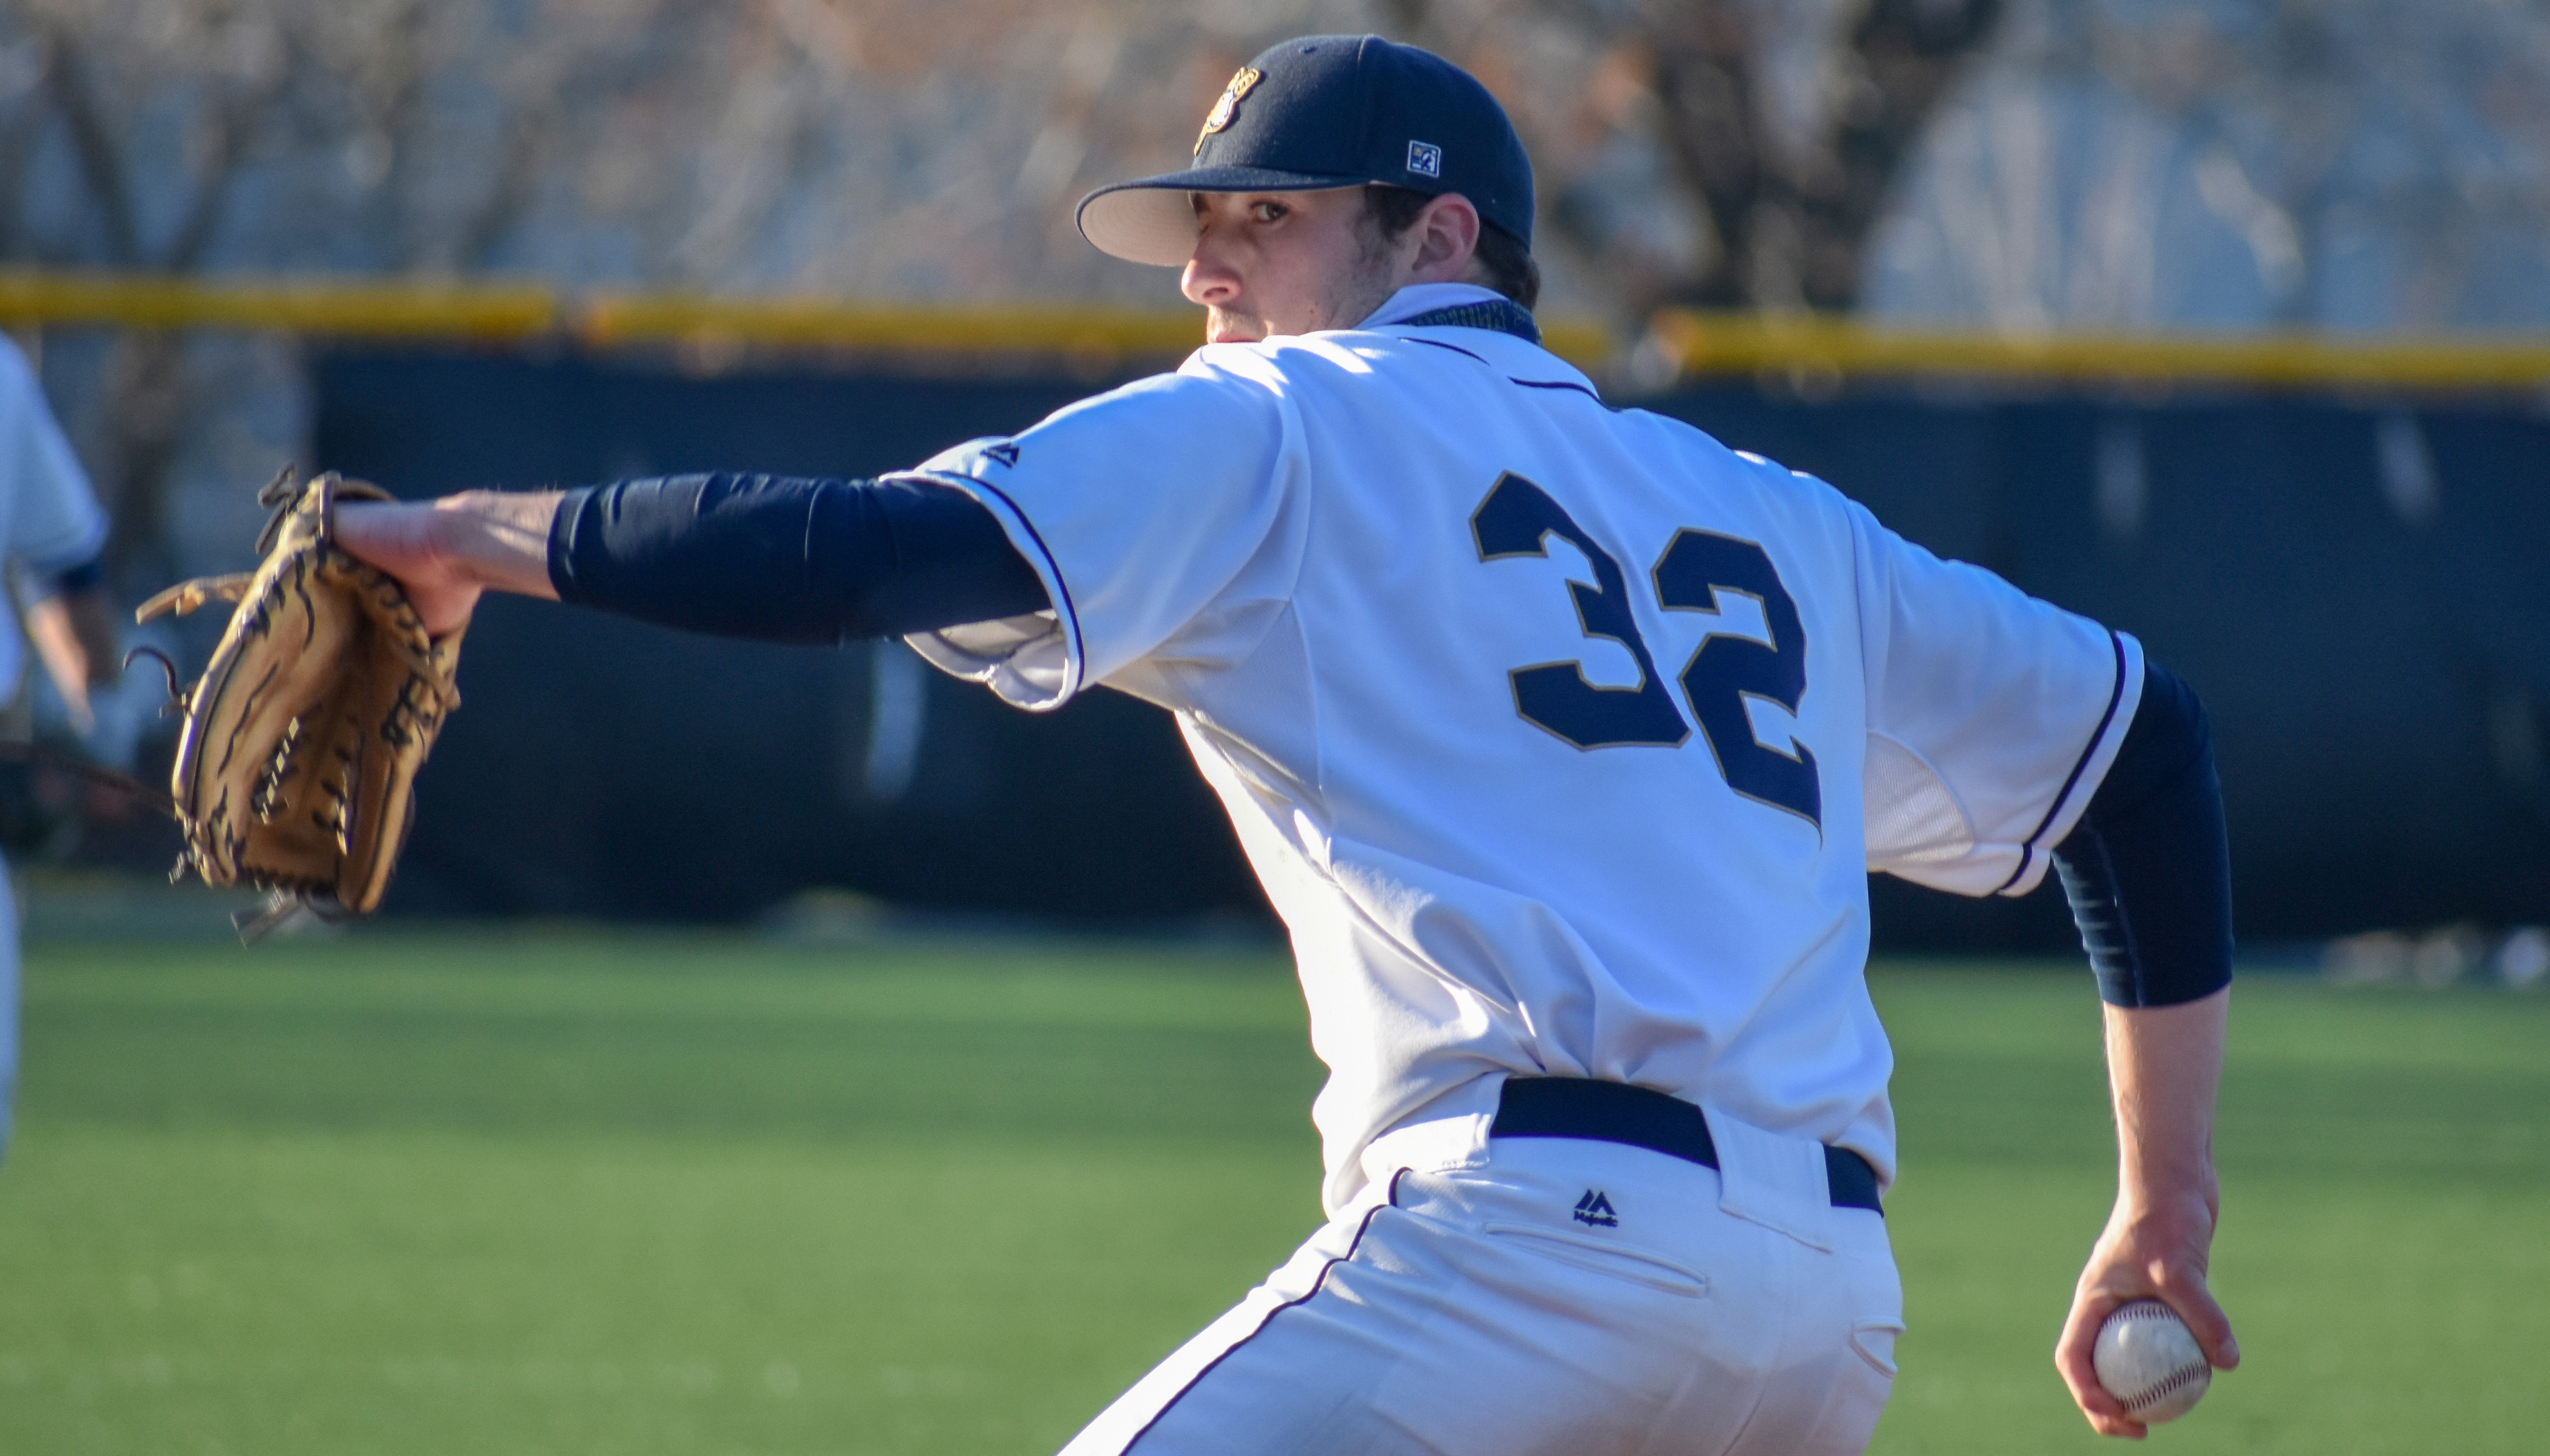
[1426, 160]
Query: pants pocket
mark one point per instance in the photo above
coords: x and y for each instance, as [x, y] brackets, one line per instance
[1874, 1341]
[1620, 1261]
[1854, 1397]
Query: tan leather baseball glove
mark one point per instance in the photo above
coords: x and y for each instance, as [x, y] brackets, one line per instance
[296, 769]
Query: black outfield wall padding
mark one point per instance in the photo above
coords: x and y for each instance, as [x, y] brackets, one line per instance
[603, 767]
[2357, 590]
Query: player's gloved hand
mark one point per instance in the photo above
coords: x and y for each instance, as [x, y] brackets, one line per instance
[406, 540]
[446, 553]
[296, 764]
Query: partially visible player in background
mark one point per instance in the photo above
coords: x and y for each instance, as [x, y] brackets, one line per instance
[52, 532]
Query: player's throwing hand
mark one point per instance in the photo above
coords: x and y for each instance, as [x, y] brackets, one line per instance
[2162, 1062]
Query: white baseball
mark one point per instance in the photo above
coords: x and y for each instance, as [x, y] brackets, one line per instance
[2147, 1358]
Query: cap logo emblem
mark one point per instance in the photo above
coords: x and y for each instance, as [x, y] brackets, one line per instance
[1424, 158]
[1220, 117]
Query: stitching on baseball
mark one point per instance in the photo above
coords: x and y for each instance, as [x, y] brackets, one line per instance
[2183, 1376]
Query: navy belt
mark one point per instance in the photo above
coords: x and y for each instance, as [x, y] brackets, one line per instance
[1615, 1112]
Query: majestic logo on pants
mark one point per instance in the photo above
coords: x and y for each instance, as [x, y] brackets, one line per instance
[1595, 1209]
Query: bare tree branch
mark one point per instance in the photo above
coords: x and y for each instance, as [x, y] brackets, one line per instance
[1703, 58]
[230, 129]
[150, 388]
[18, 137]
[1788, 217]
[1903, 56]
[151, 395]
[527, 155]
[101, 160]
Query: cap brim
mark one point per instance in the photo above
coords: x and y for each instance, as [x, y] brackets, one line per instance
[1150, 220]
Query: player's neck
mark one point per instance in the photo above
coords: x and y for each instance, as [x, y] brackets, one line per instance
[1457, 305]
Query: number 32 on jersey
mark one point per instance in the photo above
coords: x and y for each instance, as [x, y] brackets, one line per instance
[1519, 517]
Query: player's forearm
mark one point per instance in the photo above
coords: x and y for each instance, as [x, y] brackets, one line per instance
[91, 614]
[67, 656]
[2149, 868]
[2163, 1067]
[75, 634]
[789, 559]
[771, 558]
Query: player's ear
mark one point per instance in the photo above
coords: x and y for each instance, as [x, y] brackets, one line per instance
[1447, 234]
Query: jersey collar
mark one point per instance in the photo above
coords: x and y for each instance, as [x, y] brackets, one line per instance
[1456, 306]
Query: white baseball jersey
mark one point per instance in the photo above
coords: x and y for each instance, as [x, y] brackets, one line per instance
[1562, 736]
[49, 520]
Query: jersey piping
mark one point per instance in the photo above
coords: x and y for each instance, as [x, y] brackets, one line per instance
[941, 652]
[2027, 852]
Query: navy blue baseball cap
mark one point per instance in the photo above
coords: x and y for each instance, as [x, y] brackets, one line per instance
[1323, 112]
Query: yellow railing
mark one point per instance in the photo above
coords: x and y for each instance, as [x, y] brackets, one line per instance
[814, 322]
[605, 318]
[376, 309]
[1738, 343]
[1691, 343]
[609, 319]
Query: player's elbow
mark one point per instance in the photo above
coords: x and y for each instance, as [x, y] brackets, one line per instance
[2149, 868]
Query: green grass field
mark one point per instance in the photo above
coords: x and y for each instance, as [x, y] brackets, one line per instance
[573, 1193]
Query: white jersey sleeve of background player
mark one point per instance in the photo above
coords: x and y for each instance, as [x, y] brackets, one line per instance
[53, 521]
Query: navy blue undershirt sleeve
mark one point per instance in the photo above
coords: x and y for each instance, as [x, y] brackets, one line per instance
[787, 559]
[2147, 869]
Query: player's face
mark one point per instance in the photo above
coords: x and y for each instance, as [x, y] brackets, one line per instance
[1270, 264]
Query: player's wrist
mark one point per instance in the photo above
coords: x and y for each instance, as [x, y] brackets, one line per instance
[2170, 1197]
[2153, 1244]
[493, 540]
[452, 528]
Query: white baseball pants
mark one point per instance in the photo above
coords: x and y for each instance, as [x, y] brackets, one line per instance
[1568, 1297]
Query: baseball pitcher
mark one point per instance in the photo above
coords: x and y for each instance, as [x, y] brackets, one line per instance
[1563, 738]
